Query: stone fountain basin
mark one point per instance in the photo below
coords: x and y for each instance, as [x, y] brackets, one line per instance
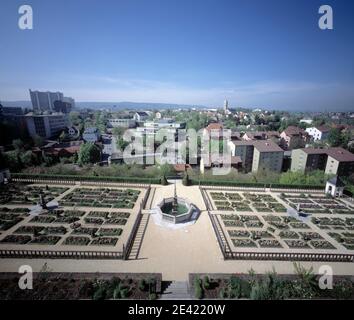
[184, 208]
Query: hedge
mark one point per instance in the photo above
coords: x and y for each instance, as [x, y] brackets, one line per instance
[253, 184]
[86, 178]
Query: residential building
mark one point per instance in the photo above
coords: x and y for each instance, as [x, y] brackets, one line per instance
[141, 116]
[151, 127]
[318, 133]
[124, 123]
[46, 125]
[254, 135]
[267, 156]
[244, 150]
[293, 138]
[91, 134]
[220, 162]
[336, 161]
[61, 150]
[262, 155]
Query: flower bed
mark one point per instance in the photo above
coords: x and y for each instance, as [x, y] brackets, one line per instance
[289, 235]
[83, 230]
[49, 240]
[16, 239]
[269, 243]
[243, 243]
[110, 232]
[238, 233]
[93, 220]
[77, 241]
[104, 241]
[297, 244]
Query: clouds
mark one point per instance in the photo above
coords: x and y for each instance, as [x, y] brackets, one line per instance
[288, 95]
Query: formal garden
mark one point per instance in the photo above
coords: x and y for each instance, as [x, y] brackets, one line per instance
[246, 201]
[78, 227]
[101, 198]
[18, 193]
[260, 220]
[317, 204]
[66, 225]
[270, 231]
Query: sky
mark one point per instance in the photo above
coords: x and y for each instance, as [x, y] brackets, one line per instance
[255, 53]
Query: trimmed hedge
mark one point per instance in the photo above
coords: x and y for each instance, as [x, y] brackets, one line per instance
[86, 178]
[253, 184]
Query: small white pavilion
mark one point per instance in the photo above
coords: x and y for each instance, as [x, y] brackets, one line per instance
[335, 187]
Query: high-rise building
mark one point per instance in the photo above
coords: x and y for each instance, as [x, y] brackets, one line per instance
[46, 125]
[226, 105]
[44, 101]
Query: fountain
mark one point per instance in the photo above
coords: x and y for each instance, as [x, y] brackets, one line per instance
[176, 209]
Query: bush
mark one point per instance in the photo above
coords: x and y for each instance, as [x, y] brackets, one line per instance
[164, 181]
[142, 285]
[206, 283]
[100, 293]
[152, 296]
[198, 290]
[186, 181]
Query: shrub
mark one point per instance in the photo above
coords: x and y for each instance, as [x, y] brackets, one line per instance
[206, 283]
[100, 293]
[164, 181]
[186, 181]
[198, 290]
[142, 285]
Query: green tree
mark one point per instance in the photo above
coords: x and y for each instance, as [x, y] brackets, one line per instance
[17, 144]
[27, 158]
[335, 137]
[89, 153]
[38, 141]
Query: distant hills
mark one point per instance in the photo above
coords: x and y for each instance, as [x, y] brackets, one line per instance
[110, 105]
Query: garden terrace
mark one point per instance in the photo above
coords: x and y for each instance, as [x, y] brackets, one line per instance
[245, 201]
[102, 198]
[19, 193]
[330, 229]
[68, 228]
[317, 204]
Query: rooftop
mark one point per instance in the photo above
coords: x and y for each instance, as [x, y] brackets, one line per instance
[267, 146]
[338, 154]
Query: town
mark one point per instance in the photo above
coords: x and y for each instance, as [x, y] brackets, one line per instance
[261, 146]
[176, 157]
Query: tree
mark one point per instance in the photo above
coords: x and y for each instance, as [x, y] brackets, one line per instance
[335, 137]
[27, 158]
[89, 153]
[38, 141]
[18, 144]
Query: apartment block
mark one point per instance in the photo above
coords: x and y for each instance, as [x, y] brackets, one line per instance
[336, 161]
[262, 155]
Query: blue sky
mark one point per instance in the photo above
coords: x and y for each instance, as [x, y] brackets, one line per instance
[256, 53]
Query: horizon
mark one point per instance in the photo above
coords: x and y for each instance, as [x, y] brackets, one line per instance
[254, 54]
